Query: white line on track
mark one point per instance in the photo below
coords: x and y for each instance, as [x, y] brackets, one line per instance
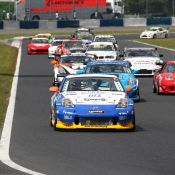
[6, 132]
[153, 45]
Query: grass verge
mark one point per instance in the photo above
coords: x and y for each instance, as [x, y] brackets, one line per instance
[167, 43]
[8, 58]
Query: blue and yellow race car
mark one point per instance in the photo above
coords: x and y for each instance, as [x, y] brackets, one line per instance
[91, 101]
[122, 70]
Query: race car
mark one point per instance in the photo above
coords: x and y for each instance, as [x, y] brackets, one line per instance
[38, 46]
[143, 60]
[91, 101]
[119, 69]
[103, 51]
[164, 79]
[86, 38]
[73, 46]
[69, 64]
[106, 38]
[83, 31]
[155, 32]
[45, 35]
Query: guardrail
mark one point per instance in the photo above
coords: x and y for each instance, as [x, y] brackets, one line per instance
[1, 24]
[125, 22]
[111, 22]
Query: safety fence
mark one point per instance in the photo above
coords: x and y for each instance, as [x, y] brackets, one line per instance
[95, 23]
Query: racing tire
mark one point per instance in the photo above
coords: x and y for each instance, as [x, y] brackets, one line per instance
[154, 88]
[133, 122]
[138, 94]
[166, 35]
[154, 36]
[51, 120]
[54, 126]
[158, 90]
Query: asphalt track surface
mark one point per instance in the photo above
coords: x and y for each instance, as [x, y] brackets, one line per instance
[35, 145]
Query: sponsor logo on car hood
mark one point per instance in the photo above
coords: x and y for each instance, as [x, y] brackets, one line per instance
[94, 97]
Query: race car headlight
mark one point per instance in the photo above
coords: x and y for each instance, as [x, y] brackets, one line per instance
[169, 78]
[123, 103]
[131, 81]
[66, 102]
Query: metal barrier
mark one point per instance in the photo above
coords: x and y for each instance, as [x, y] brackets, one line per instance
[28, 24]
[159, 21]
[1, 25]
[111, 22]
[135, 22]
[67, 23]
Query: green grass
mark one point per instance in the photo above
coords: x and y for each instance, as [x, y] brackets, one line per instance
[8, 58]
[168, 43]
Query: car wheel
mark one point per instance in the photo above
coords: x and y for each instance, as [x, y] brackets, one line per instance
[154, 36]
[54, 126]
[154, 88]
[158, 90]
[166, 35]
[138, 94]
[134, 125]
[51, 120]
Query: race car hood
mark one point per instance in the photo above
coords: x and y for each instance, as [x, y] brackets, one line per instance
[39, 45]
[169, 76]
[75, 66]
[142, 62]
[52, 48]
[148, 32]
[94, 97]
[77, 50]
[102, 53]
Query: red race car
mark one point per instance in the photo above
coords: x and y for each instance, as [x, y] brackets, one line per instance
[164, 79]
[38, 46]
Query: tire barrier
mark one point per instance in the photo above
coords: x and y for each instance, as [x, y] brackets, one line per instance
[159, 21]
[1, 25]
[28, 24]
[68, 23]
[111, 22]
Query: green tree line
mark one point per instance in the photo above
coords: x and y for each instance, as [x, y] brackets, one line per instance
[150, 8]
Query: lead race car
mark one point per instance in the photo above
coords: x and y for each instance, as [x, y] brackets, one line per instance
[91, 102]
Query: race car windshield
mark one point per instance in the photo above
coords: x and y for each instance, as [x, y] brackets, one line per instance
[169, 68]
[38, 40]
[108, 68]
[73, 59]
[142, 53]
[101, 47]
[92, 84]
[105, 39]
[55, 43]
[77, 44]
[85, 37]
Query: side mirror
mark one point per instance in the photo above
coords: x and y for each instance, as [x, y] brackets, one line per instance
[80, 71]
[54, 89]
[161, 55]
[135, 71]
[53, 62]
[128, 89]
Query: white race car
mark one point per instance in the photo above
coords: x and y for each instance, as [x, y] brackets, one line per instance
[103, 51]
[106, 38]
[69, 64]
[155, 32]
[52, 48]
[143, 60]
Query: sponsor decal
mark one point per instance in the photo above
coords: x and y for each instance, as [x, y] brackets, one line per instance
[96, 111]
